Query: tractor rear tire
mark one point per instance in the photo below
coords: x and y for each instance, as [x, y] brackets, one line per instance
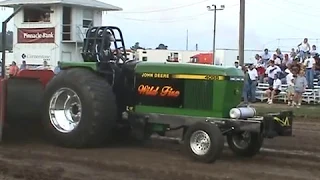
[97, 107]
[250, 149]
[207, 148]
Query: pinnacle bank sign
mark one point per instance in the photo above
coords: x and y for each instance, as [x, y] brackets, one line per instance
[36, 35]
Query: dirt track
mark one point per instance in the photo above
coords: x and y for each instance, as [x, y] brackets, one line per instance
[283, 158]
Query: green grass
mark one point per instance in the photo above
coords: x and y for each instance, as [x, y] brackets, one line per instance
[305, 111]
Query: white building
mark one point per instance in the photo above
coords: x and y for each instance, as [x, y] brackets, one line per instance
[53, 30]
[224, 57]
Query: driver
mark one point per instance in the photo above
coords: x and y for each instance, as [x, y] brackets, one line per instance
[109, 38]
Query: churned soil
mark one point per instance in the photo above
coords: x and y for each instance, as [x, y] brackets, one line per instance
[294, 158]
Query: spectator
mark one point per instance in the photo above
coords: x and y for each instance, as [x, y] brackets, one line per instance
[13, 70]
[317, 68]
[277, 61]
[295, 65]
[304, 48]
[253, 82]
[260, 67]
[285, 62]
[279, 54]
[290, 89]
[236, 64]
[57, 69]
[271, 71]
[300, 85]
[45, 66]
[245, 90]
[265, 56]
[23, 65]
[293, 54]
[309, 63]
[274, 90]
[313, 50]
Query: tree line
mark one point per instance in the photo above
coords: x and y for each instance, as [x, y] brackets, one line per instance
[9, 44]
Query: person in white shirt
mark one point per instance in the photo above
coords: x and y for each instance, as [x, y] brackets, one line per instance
[253, 82]
[290, 83]
[45, 66]
[313, 50]
[304, 48]
[309, 63]
[236, 64]
[276, 59]
[274, 90]
[271, 71]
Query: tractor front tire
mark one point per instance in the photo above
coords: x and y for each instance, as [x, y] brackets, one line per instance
[81, 98]
[252, 143]
[203, 142]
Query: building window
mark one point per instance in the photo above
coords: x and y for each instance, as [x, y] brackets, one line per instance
[87, 18]
[144, 58]
[36, 15]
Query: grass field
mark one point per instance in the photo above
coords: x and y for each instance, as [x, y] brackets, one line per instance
[305, 111]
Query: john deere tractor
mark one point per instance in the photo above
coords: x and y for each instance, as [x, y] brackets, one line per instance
[89, 103]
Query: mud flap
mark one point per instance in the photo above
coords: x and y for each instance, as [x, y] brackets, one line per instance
[23, 107]
[278, 124]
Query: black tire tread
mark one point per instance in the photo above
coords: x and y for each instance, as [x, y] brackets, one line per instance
[103, 106]
[217, 142]
[253, 148]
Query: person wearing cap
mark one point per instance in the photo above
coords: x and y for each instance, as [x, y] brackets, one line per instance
[271, 71]
[236, 64]
[309, 64]
[290, 83]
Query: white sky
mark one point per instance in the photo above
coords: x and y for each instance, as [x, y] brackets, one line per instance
[266, 21]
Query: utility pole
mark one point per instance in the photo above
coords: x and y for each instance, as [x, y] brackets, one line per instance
[241, 32]
[214, 9]
[187, 40]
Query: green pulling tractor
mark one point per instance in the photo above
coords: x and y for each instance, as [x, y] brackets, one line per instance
[89, 103]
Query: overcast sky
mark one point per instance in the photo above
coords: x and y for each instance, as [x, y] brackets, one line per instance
[152, 22]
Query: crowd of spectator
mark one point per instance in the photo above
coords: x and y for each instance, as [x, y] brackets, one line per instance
[297, 69]
[14, 69]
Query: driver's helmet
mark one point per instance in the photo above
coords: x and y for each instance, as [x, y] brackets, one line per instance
[110, 37]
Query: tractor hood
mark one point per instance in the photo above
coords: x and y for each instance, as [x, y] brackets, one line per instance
[187, 68]
[189, 89]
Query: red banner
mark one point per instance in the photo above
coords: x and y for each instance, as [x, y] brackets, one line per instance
[36, 35]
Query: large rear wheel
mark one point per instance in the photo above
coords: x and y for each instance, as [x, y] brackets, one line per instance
[80, 109]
